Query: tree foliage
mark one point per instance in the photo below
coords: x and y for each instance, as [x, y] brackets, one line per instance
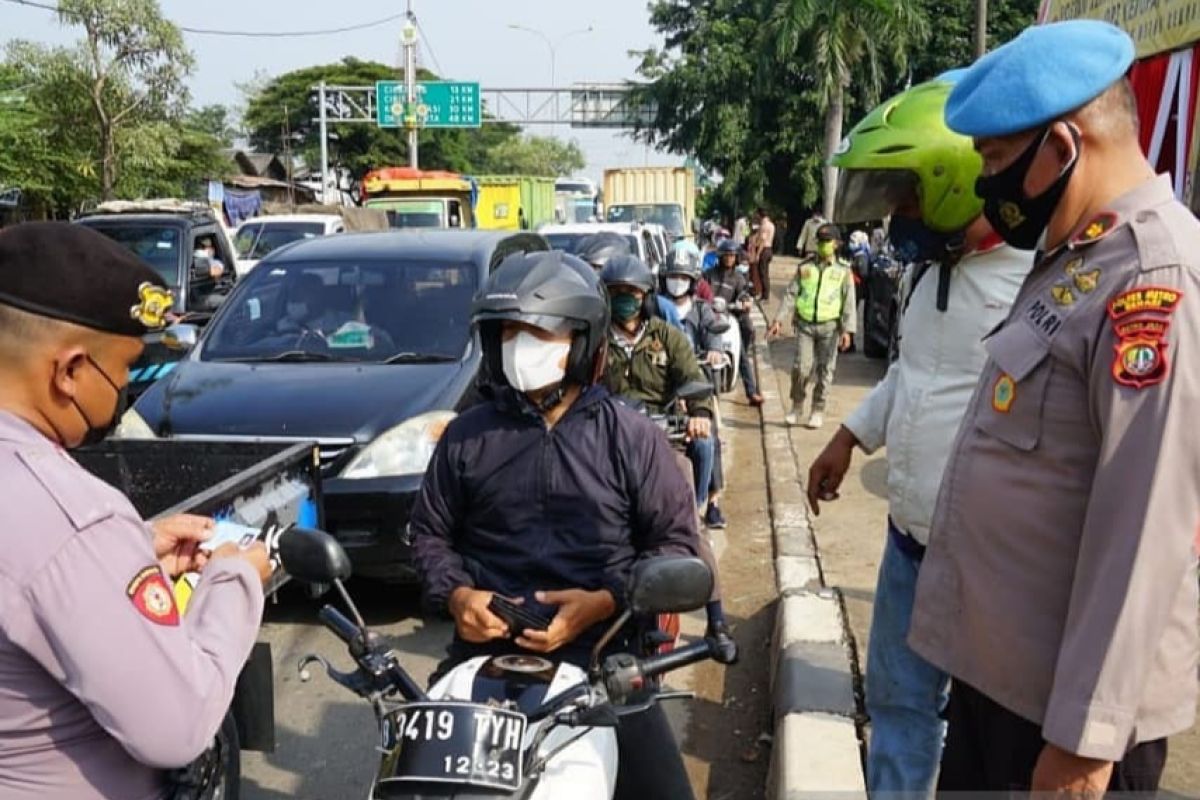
[743, 85]
[288, 102]
[535, 155]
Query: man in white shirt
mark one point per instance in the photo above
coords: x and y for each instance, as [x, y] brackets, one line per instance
[961, 285]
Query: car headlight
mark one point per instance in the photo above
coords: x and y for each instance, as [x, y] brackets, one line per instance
[403, 450]
[132, 426]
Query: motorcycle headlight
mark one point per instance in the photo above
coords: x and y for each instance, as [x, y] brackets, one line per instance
[132, 426]
[403, 450]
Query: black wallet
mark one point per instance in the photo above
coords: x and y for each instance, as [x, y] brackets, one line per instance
[517, 617]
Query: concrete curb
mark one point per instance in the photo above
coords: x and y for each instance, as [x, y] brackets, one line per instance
[817, 748]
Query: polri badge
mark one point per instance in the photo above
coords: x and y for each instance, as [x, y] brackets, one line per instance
[152, 597]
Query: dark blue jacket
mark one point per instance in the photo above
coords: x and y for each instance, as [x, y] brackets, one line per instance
[511, 507]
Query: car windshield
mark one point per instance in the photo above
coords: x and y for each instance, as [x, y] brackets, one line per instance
[157, 245]
[669, 215]
[256, 239]
[375, 311]
[411, 213]
[569, 242]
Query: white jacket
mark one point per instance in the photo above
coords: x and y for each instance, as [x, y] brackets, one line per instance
[916, 409]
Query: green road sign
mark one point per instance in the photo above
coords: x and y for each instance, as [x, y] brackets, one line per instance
[440, 104]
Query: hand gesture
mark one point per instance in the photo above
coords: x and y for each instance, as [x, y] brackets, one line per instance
[844, 342]
[177, 542]
[699, 427]
[1059, 773]
[827, 471]
[474, 622]
[578, 610]
[255, 554]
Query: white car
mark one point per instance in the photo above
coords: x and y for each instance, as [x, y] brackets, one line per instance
[647, 242]
[260, 235]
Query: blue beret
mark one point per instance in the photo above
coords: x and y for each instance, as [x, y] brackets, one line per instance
[1047, 71]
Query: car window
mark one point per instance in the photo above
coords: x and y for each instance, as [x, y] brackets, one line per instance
[268, 236]
[160, 246]
[347, 311]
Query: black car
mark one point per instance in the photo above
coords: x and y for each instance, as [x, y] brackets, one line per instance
[169, 242]
[361, 342]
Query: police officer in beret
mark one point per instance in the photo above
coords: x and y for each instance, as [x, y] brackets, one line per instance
[1059, 588]
[103, 686]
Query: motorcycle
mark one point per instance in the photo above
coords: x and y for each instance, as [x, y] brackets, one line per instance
[729, 338]
[512, 725]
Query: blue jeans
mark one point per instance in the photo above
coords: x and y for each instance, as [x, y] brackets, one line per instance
[905, 693]
[702, 454]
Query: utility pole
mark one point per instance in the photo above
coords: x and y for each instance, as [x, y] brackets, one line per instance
[410, 86]
[980, 28]
[324, 143]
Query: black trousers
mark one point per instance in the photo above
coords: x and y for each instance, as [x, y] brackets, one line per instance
[762, 273]
[991, 749]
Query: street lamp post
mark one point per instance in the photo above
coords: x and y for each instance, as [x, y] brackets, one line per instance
[552, 45]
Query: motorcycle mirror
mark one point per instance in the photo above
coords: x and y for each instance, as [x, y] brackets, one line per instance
[695, 390]
[313, 556]
[669, 584]
[719, 305]
[720, 327]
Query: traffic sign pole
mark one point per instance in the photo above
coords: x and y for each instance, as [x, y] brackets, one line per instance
[410, 86]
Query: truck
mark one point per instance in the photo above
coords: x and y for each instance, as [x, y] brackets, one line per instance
[575, 201]
[514, 202]
[662, 195]
[415, 198]
[264, 487]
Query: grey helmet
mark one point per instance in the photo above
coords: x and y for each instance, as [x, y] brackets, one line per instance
[598, 248]
[628, 270]
[683, 261]
[546, 290]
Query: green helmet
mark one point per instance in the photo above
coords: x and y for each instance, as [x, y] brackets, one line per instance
[903, 149]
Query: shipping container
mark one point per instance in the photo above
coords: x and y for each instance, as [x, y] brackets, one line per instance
[663, 195]
[514, 202]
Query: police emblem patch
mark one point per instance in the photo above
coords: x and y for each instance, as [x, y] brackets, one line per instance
[1004, 393]
[1144, 300]
[1140, 362]
[1011, 214]
[152, 597]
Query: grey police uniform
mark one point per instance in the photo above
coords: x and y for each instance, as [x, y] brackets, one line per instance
[103, 685]
[1060, 579]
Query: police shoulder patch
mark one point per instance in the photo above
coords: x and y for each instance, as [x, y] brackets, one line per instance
[1144, 300]
[151, 595]
[1140, 361]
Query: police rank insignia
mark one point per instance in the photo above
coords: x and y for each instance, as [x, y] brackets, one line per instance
[152, 597]
[153, 304]
[1101, 225]
[1062, 295]
[1141, 319]
[1086, 282]
[1004, 392]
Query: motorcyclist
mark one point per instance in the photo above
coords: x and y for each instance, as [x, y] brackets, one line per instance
[517, 502]
[599, 248]
[729, 283]
[680, 281]
[648, 362]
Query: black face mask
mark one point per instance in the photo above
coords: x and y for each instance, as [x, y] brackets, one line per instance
[98, 433]
[1020, 220]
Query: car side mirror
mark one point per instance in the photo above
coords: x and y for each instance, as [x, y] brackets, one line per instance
[313, 556]
[669, 584]
[181, 336]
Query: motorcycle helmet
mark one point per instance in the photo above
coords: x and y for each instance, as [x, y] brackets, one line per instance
[901, 149]
[629, 270]
[727, 246]
[546, 290]
[598, 248]
[682, 261]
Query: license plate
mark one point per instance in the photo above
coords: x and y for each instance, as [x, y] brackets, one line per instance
[453, 743]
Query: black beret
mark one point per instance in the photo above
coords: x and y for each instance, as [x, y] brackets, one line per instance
[75, 274]
[829, 233]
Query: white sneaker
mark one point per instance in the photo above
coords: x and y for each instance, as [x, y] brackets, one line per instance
[815, 420]
[792, 418]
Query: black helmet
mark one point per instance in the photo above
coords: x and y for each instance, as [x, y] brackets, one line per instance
[545, 289]
[726, 246]
[683, 261]
[628, 270]
[597, 248]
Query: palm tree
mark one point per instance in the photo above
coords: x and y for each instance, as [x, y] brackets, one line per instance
[840, 40]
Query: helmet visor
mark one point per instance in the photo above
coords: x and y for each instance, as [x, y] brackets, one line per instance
[870, 194]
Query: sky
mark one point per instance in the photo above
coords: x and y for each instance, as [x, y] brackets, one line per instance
[470, 39]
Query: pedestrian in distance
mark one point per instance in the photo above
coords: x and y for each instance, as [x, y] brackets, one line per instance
[760, 263]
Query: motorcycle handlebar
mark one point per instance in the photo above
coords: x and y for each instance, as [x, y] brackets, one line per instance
[652, 666]
[339, 623]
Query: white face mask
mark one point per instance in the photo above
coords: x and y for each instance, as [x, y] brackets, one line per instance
[297, 311]
[678, 287]
[531, 364]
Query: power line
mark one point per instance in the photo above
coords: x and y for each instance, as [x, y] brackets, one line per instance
[429, 47]
[251, 34]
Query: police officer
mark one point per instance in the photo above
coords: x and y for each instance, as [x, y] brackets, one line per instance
[1059, 588]
[103, 685]
[820, 302]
